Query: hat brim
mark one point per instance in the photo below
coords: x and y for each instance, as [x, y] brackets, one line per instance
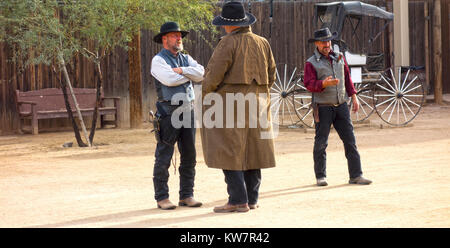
[332, 37]
[158, 37]
[249, 20]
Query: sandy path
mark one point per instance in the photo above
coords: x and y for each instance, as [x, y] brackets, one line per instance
[43, 184]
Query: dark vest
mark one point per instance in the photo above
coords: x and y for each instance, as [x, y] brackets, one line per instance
[333, 94]
[163, 92]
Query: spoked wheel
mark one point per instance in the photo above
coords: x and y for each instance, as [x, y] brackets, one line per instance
[366, 100]
[399, 95]
[281, 93]
[302, 102]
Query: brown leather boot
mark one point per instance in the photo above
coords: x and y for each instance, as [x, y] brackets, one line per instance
[166, 204]
[228, 208]
[189, 202]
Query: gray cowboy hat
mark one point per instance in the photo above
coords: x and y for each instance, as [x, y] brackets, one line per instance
[233, 14]
[323, 34]
[167, 28]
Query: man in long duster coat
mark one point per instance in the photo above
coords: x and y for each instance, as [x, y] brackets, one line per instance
[241, 67]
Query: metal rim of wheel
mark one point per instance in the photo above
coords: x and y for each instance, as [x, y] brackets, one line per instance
[302, 102]
[399, 100]
[366, 99]
[281, 93]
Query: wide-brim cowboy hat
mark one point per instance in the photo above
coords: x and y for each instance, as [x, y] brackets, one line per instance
[233, 14]
[167, 28]
[323, 34]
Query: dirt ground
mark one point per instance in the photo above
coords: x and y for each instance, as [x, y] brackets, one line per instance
[43, 184]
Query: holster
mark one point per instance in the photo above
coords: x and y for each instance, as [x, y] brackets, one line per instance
[155, 119]
[156, 128]
[315, 107]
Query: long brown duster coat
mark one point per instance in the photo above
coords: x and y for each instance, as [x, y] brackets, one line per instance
[242, 63]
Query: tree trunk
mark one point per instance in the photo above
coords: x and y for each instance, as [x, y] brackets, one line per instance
[437, 53]
[99, 85]
[69, 110]
[135, 84]
[71, 118]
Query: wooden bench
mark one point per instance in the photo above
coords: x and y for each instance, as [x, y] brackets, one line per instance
[49, 104]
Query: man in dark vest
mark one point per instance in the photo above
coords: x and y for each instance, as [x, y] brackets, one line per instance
[174, 72]
[327, 76]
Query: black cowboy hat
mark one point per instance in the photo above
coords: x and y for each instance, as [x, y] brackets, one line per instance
[233, 14]
[167, 28]
[323, 34]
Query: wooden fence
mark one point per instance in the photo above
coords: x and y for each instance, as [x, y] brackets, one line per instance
[291, 27]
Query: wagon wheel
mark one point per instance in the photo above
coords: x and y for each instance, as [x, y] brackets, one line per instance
[400, 97]
[364, 93]
[302, 102]
[281, 93]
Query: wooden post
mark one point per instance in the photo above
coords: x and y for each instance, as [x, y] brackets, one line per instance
[3, 77]
[437, 52]
[389, 61]
[427, 45]
[401, 33]
[3, 109]
[135, 83]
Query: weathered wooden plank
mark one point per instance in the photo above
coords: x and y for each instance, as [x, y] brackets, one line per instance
[446, 40]
[135, 82]
[437, 51]
[291, 27]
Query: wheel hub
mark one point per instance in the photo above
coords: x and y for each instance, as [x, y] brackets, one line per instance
[399, 95]
[284, 94]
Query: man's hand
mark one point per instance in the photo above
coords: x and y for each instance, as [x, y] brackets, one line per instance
[355, 103]
[178, 70]
[330, 81]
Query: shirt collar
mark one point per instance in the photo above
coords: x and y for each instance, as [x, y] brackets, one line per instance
[245, 29]
[169, 53]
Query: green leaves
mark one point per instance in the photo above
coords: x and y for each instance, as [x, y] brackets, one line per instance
[34, 29]
[39, 30]
[114, 22]
[190, 14]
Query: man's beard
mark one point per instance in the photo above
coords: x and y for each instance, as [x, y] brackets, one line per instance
[325, 50]
[178, 48]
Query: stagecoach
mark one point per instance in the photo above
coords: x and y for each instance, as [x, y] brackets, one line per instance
[396, 94]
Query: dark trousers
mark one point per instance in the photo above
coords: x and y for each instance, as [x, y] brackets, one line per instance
[340, 118]
[243, 186]
[185, 139]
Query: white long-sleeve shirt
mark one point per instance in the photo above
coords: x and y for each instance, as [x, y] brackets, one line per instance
[163, 72]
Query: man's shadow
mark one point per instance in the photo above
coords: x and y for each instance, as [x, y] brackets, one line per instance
[155, 222]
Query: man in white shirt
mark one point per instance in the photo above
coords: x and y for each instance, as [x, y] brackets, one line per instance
[174, 72]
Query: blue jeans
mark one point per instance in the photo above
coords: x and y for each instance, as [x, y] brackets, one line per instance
[185, 139]
[243, 186]
[340, 118]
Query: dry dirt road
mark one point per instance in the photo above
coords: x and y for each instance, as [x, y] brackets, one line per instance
[43, 184]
